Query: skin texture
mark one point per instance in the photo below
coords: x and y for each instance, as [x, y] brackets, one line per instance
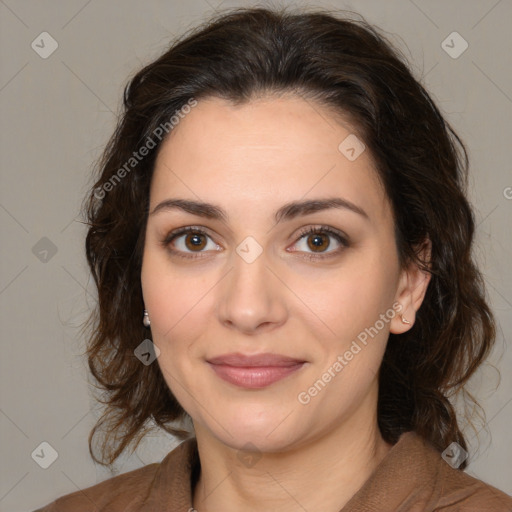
[250, 160]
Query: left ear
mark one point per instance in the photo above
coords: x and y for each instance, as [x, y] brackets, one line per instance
[411, 290]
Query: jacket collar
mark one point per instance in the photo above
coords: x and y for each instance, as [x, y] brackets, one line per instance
[411, 457]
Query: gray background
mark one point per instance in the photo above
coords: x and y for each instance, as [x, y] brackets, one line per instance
[56, 115]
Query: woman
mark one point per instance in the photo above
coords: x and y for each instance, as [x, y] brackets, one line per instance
[283, 206]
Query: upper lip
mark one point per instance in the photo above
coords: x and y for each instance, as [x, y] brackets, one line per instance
[257, 360]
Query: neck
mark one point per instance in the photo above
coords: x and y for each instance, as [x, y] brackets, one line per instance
[335, 465]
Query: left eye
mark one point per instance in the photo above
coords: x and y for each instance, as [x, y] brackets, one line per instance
[318, 240]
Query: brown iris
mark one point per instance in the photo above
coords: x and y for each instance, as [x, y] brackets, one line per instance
[315, 242]
[193, 241]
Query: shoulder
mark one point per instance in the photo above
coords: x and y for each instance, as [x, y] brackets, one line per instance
[140, 489]
[453, 489]
[460, 491]
[113, 495]
[415, 476]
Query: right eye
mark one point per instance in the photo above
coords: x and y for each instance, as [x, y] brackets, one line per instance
[184, 242]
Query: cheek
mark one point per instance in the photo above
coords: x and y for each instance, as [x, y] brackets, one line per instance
[349, 299]
[177, 303]
[178, 314]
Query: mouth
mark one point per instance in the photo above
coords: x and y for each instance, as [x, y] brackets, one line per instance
[254, 372]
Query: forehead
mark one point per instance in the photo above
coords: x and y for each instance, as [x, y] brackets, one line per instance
[265, 152]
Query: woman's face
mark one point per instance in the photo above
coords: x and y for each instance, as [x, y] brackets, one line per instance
[249, 279]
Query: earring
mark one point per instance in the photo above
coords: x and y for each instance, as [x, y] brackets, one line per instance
[404, 320]
[145, 319]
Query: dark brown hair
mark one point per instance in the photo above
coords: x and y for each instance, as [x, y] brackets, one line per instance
[350, 67]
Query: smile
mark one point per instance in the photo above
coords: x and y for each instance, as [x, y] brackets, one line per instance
[254, 371]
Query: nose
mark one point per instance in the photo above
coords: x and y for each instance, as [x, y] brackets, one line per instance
[252, 299]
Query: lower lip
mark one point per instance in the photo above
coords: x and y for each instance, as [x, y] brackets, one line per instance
[254, 377]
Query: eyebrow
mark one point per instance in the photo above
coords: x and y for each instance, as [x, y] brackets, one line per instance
[287, 212]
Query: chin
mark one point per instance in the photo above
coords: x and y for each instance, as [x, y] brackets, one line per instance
[269, 433]
[245, 440]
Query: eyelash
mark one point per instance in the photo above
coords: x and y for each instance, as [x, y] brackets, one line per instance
[308, 231]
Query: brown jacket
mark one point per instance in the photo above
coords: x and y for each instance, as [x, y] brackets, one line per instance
[412, 478]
